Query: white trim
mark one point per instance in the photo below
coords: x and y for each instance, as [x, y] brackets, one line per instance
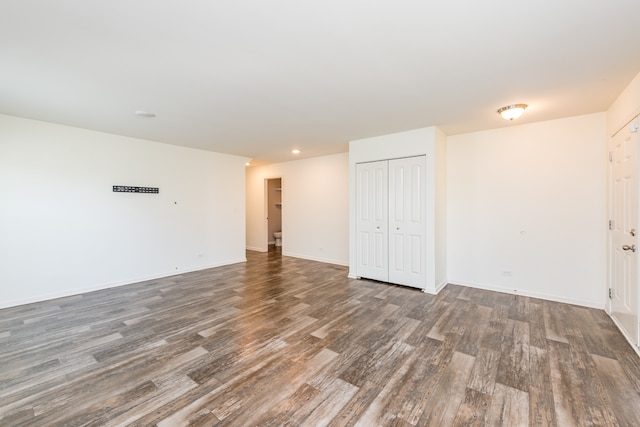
[256, 249]
[530, 294]
[618, 127]
[96, 287]
[310, 258]
[441, 286]
[625, 335]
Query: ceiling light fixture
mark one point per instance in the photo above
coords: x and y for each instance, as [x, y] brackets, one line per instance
[146, 114]
[295, 151]
[513, 111]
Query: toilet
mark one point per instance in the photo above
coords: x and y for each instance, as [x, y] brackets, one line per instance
[278, 236]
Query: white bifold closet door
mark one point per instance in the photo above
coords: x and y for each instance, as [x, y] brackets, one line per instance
[372, 227]
[391, 221]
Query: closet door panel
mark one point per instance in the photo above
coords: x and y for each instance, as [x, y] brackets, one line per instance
[372, 220]
[407, 225]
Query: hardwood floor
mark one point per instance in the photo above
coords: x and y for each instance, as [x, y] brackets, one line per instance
[285, 341]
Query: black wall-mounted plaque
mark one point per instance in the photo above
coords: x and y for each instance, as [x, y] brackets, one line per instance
[131, 189]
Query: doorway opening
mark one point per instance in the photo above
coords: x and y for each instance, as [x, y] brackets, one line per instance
[274, 214]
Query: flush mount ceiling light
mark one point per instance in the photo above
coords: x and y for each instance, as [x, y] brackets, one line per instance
[295, 151]
[511, 112]
[146, 114]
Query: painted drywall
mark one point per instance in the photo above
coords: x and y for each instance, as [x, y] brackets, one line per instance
[625, 107]
[527, 209]
[64, 231]
[417, 142]
[315, 207]
[440, 209]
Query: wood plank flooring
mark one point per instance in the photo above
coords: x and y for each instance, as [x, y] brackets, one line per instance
[284, 341]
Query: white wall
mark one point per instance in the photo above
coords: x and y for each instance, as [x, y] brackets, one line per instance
[530, 199]
[440, 164]
[430, 142]
[315, 207]
[625, 107]
[63, 231]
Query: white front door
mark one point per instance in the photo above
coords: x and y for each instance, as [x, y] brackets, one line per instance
[624, 230]
[372, 221]
[407, 221]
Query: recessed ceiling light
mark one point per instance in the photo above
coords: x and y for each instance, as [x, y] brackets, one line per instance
[248, 164]
[146, 114]
[295, 151]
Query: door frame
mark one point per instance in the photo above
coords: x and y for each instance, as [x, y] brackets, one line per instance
[266, 210]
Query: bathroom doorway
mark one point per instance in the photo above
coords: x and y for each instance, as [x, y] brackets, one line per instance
[274, 213]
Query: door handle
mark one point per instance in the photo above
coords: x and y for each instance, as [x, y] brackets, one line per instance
[631, 248]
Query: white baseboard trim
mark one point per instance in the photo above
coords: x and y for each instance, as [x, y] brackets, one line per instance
[98, 287]
[256, 249]
[310, 258]
[625, 335]
[440, 286]
[526, 293]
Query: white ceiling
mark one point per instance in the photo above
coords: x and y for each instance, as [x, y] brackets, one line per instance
[257, 78]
